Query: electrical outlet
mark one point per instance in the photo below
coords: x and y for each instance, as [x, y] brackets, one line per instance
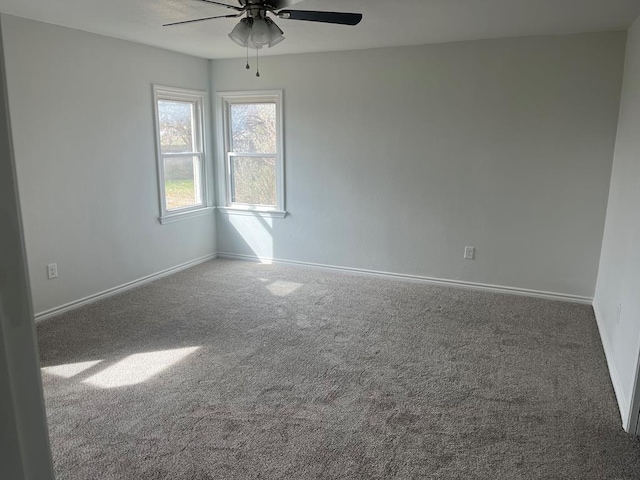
[469, 253]
[618, 314]
[52, 271]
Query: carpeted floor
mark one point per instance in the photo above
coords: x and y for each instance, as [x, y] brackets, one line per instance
[235, 370]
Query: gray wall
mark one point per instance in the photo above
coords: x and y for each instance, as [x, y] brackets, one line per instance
[619, 275]
[398, 158]
[24, 444]
[82, 116]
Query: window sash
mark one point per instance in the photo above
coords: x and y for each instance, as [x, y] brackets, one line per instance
[198, 182]
[196, 120]
[230, 181]
[229, 123]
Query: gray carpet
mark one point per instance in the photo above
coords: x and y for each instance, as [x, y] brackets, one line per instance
[307, 374]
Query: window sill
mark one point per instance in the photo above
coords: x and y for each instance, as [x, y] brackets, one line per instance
[254, 212]
[176, 217]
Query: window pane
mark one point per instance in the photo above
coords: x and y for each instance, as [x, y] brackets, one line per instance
[253, 180]
[182, 182]
[253, 128]
[176, 126]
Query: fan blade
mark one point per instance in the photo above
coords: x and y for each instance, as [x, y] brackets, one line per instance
[202, 19]
[232, 7]
[324, 17]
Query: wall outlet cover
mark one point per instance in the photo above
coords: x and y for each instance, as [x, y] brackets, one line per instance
[52, 271]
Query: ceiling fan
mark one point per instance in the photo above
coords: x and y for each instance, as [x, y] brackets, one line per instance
[257, 30]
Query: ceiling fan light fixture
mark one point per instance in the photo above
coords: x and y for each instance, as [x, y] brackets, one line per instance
[255, 46]
[260, 34]
[276, 35]
[241, 32]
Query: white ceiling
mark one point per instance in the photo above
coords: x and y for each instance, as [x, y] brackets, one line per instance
[386, 22]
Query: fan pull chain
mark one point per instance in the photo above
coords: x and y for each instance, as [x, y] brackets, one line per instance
[257, 63]
[247, 67]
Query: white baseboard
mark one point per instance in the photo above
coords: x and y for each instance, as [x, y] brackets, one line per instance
[623, 405]
[417, 278]
[120, 288]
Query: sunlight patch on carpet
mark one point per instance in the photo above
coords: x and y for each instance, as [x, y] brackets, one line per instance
[138, 368]
[69, 370]
[281, 288]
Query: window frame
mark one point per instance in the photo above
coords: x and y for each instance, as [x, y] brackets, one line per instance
[223, 131]
[199, 99]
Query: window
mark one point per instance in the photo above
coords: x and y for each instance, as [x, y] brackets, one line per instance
[252, 141]
[181, 156]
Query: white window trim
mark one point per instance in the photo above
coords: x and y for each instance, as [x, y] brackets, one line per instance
[222, 136]
[200, 99]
